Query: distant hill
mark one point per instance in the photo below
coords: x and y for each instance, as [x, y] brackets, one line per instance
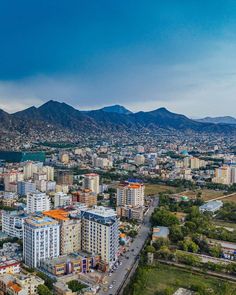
[218, 120]
[116, 109]
[58, 116]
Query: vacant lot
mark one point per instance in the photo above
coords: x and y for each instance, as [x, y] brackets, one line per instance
[150, 281]
[230, 199]
[153, 189]
[206, 194]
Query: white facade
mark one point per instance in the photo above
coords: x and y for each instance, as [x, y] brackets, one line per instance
[62, 200]
[12, 223]
[40, 240]
[38, 202]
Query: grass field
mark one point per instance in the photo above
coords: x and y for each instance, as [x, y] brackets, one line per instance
[207, 194]
[153, 189]
[151, 281]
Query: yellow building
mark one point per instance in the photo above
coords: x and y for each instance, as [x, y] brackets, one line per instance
[70, 231]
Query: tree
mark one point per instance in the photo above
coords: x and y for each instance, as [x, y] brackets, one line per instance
[43, 290]
[176, 233]
[132, 233]
[164, 218]
[215, 251]
[150, 249]
[188, 245]
[161, 242]
[76, 286]
[48, 281]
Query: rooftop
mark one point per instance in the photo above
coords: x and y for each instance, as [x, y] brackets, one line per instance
[100, 214]
[102, 211]
[40, 221]
[160, 231]
[8, 263]
[211, 205]
[58, 214]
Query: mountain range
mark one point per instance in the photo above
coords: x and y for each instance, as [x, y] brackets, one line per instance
[113, 118]
[218, 120]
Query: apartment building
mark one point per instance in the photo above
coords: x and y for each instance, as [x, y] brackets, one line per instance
[70, 230]
[38, 202]
[25, 187]
[91, 182]
[100, 233]
[131, 194]
[12, 223]
[62, 200]
[41, 240]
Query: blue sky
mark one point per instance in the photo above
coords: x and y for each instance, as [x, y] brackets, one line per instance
[180, 54]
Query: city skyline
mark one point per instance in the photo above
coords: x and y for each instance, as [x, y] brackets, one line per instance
[178, 55]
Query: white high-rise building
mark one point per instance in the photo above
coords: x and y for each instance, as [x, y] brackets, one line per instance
[100, 233]
[91, 181]
[38, 202]
[12, 223]
[131, 194]
[62, 200]
[40, 240]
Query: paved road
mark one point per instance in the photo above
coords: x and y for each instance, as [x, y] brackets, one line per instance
[119, 275]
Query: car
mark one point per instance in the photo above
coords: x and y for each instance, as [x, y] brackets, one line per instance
[110, 287]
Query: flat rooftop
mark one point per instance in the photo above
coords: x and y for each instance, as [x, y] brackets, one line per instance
[40, 221]
[160, 231]
[102, 211]
[58, 214]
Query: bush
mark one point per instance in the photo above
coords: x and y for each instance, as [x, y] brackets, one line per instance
[76, 286]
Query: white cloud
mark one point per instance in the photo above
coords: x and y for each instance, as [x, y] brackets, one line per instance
[199, 88]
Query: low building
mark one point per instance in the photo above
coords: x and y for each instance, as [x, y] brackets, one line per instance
[11, 250]
[9, 202]
[211, 206]
[61, 288]
[160, 232]
[74, 263]
[130, 212]
[9, 266]
[228, 248]
[20, 284]
[86, 197]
